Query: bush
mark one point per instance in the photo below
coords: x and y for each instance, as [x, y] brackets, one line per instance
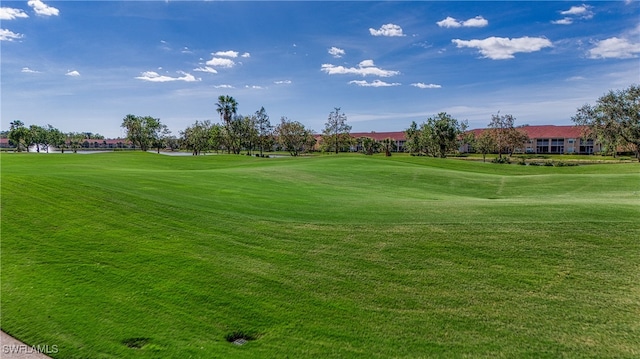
[503, 160]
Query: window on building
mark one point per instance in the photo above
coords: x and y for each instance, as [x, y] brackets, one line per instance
[557, 145]
[542, 145]
[586, 146]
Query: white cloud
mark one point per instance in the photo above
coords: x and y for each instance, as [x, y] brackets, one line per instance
[477, 21]
[29, 71]
[73, 73]
[246, 55]
[153, 76]
[583, 11]
[366, 63]
[425, 86]
[283, 82]
[230, 53]
[207, 69]
[365, 68]
[223, 86]
[564, 21]
[336, 52]
[8, 35]
[7, 13]
[575, 12]
[501, 48]
[375, 83]
[615, 48]
[43, 9]
[221, 62]
[254, 87]
[450, 22]
[387, 30]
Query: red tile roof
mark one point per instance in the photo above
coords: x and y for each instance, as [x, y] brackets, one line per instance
[379, 136]
[546, 131]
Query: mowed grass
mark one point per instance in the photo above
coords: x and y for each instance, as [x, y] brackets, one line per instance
[329, 256]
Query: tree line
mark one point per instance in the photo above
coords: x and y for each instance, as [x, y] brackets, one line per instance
[614, 121]
[23, 137]
[236, 133]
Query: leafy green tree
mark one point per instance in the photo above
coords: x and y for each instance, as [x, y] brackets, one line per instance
[172, 142]
[18, 135]
[294, 137]
[484, 144]
[197, 137]
[264, 129]
[55, 138]
[161, 138]
[336, 131]
[507, 138]
[615, 119]
[248, 133]
[75, 140]
[440, 134]
[143, 131]
[414, 143]
[37, 136]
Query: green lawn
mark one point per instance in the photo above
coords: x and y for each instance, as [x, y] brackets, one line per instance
[137, 255]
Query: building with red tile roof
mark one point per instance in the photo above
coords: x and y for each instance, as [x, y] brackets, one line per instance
[552, 139]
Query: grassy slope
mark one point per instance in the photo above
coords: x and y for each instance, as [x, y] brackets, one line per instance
[347, 256]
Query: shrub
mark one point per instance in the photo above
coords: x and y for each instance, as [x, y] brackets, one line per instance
[503, 160]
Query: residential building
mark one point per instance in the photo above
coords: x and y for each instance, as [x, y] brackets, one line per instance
[552, 139]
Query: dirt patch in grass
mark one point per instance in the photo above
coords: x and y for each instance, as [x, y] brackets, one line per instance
[136, 343]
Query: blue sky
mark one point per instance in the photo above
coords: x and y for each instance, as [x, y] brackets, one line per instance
[85, 65]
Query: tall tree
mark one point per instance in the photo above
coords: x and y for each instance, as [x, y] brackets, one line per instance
[440, 134]
[75, 140]
[336, 131]
[248, 133]
[55, 138]
[227, 108]
[264, 128]
[484, 144]
[161, 137]
[414, 143]
[18, 135]
[142, 131]
[38, 137]
[614, 119]
[294, 137]
[197, 137]
[507, 138]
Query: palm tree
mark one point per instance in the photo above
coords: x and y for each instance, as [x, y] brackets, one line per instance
[227, 107]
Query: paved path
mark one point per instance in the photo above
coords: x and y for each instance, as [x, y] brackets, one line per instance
[12, 348]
